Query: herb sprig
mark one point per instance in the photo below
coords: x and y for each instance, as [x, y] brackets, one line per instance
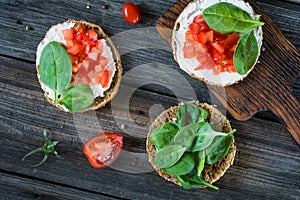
[48, 147]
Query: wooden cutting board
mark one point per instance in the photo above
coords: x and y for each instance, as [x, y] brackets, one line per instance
[268, 86]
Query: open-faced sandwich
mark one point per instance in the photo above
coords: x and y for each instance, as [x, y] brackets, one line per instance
[191, 145]
[217, 42]
[78, 66]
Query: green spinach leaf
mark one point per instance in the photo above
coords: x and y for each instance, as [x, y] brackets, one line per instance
[186, 135]
[205, 137]
[219, 149]
[164, 135]
[77, 98]
[183, 166]
[191, 180]
[200, 158]
[168, 156]
[203, 115]
[245, 53]
[227, 18]
[187, 114]
[55, 68]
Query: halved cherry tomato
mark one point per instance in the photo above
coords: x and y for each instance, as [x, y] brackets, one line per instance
[103, 149]
[131, 13]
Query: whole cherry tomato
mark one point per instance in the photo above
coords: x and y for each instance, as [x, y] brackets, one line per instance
[103, 149]
[131, 13]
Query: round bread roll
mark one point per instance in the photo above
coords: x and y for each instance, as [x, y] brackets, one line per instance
[210, 173]
[54, 34]
[188, 65]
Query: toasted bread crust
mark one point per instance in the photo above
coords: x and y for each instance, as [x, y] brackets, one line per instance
[113, 90]
[211, 173]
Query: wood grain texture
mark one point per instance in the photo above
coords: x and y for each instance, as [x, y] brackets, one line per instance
[265, 167]
[269, 85]
[13, 186]
[260, 161]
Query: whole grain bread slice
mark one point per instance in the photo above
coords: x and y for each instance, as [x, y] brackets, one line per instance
[113, 90]
[211, 173]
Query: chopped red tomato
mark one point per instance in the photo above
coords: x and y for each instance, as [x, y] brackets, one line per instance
[104, 78]
[103, 149]
[213, 50]
[68, 34]
[188, 50]
[84, 48]
[194, 28]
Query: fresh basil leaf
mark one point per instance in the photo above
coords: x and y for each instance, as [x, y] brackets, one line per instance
[245, 53]
[186, 135]
[191, 180]
[200, 158]
[168, 156]
[164, 135]
[77, 98]
[227, 18]
[183, 166]
[219, 149]
[187, 114]
[55, 68]
[202, 141]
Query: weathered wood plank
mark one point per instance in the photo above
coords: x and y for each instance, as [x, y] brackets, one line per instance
[16, 41]
[266, 152]
[17, 187]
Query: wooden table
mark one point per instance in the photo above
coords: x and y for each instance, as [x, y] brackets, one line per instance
[267, 164]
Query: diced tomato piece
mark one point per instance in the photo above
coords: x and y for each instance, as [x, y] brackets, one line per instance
[85, 36]
[93, 55]
[199, 49]
[73, 50]
[194, 28]
[103, 61]
[217, 56]
[85, 80]
[219, 36]
[210, 35]
[202, 37]
[79, 28]
[94, 81]
[91, 75]
[231, 39]
[188, 51]
[92, 35]
[104, 79]
[203, 26]
[69, 43]
[87, 49]
[98, 68]
[78, 37]
[68, 34]
[85, 65]
[205, 62]
[198, 19]
[99, 47]
[219, 47]
[75, 68]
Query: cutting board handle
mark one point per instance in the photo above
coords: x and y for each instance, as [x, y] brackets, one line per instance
[289, 113]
